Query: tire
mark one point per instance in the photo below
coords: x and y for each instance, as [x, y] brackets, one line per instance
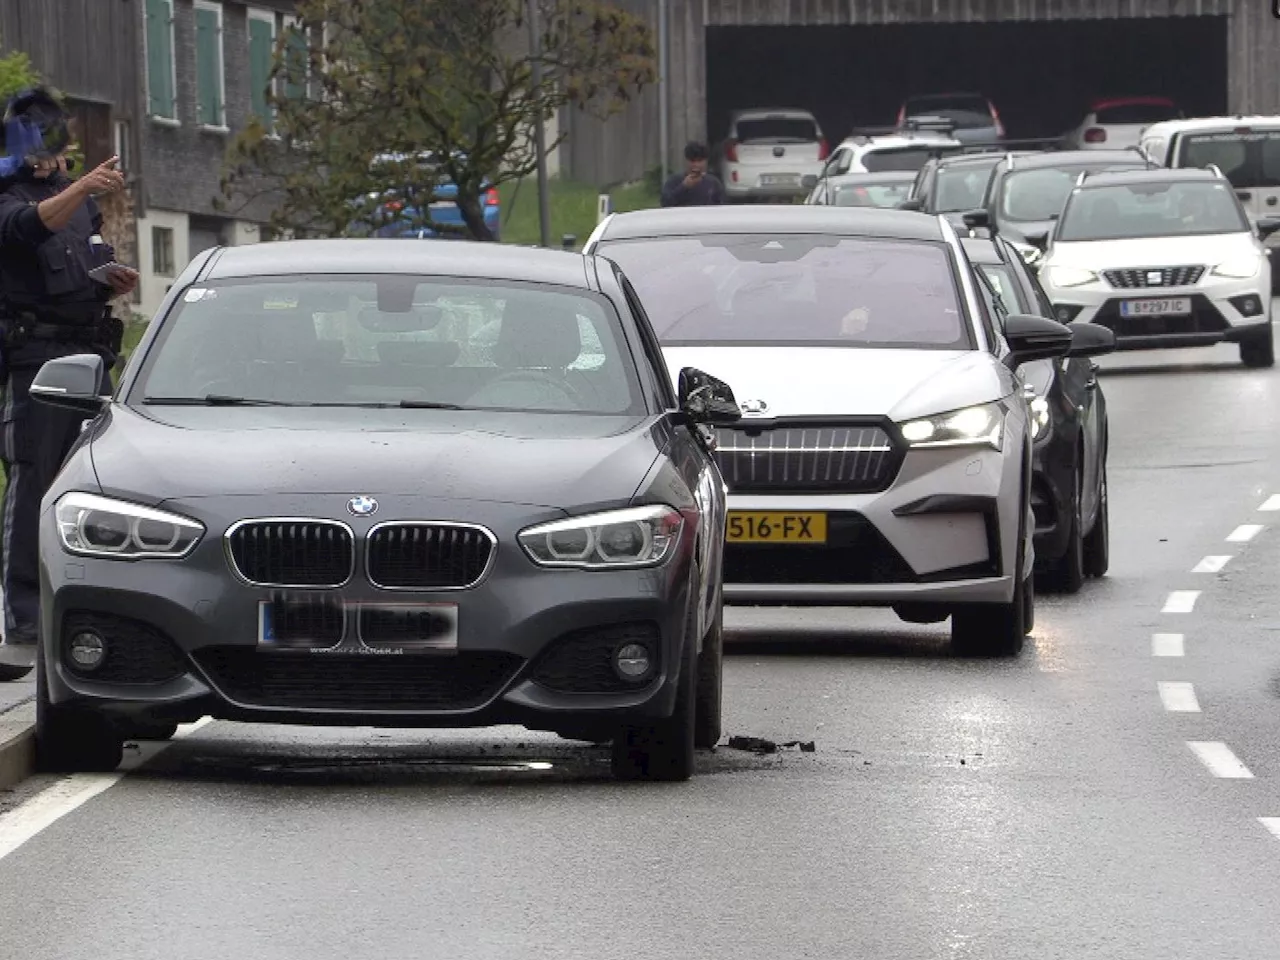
[1066, 574]
[998, 629]
[1260, 351]
[662, 750]
[1097, 545]
[70, 740]
[707, 725]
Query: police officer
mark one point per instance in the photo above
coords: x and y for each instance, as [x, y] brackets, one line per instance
[50, 238]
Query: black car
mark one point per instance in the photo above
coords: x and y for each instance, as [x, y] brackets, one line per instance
[387, 483]
[953, 183]
[1025, 194]
[1069, 431]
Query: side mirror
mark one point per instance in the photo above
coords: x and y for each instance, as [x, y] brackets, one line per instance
[72, 382]
[704, 399]
[1035, 338]
[915, 203]
[1267, 226]
[1038, 240]
[976, 219]
[809, 181]
[1090, 340]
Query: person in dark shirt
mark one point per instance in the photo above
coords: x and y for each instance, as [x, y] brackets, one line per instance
[50, 306]
[696, 187]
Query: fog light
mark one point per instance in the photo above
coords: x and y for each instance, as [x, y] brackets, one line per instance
[632, 661]
[88, 650]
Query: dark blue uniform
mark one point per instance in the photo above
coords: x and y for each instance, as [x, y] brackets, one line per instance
[49, 307]
[708, 191]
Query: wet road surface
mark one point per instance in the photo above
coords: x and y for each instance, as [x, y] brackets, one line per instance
[1105, 795]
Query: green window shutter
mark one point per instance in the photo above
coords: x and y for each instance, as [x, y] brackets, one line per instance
[160, 100]
[261, 46]
[208, 69]
[299, 53]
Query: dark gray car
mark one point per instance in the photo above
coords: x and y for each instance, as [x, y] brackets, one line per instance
[388, 483]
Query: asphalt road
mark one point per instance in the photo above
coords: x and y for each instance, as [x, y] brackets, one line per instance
[1051, 806]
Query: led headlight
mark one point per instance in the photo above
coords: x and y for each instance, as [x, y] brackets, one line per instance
[1041, 417]
[616, 540]
[1070, 276]
[972, 426]
[94, 526]
[1239, 268]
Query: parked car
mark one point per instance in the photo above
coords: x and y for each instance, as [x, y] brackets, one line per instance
[1114, 123]
[976, 118]
[1165, 258]
[312, 501]
[885, 189]
[1069, 433]
[884, 456]
[394, 212]
[1245, 149]
[768, 153]
[1025, 194]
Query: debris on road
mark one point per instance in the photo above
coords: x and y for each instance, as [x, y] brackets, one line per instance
[761, 745]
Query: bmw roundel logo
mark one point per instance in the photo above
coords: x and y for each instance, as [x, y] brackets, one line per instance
[362, 506]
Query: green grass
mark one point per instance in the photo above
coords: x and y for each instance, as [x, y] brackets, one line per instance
[572, 207]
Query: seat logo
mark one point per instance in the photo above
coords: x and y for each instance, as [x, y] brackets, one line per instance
[362, 506]
[1155, 277]
[758, 407]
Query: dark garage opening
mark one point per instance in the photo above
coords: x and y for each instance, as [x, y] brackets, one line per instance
[1040, 76]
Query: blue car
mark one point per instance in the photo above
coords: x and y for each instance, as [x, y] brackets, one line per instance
[443, 212]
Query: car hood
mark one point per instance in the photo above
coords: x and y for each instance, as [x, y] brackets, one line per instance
[849, 381]
[1207, 250]
[547, 460]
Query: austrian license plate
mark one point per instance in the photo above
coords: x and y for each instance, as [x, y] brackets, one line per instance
[779, 179]
[1161, 307]
[798, 528]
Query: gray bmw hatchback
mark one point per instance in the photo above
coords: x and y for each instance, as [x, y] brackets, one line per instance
[387, 483]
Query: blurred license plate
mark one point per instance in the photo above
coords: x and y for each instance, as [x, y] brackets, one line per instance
[1163, 307]
[442, 204]
[779, 179]
[802, 528]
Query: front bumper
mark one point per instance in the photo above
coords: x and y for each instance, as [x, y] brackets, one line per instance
[534, 646]
[943, 533]
[1222, 311]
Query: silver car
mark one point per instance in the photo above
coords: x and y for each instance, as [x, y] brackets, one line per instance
[884, 456]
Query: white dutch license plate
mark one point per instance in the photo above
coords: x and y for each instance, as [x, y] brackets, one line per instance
[1163, 307]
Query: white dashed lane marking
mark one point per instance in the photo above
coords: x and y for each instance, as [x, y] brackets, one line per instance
[1166, 644]
[1219, 759]
[1181, 601]
[1210, 565]
[1244, 533]
[1178, 697]
[1271, 503]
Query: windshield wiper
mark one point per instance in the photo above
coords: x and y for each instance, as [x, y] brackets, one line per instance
[217, 400]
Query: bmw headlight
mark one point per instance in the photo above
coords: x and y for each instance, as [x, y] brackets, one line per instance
[1070, 276]
[616, 540]
[982, 425]
[1239, 268]
[94, 526]
[1041, 417]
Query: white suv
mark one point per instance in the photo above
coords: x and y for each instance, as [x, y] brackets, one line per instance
[1164, 258]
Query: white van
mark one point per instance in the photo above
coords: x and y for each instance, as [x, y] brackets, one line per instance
[1245, 149]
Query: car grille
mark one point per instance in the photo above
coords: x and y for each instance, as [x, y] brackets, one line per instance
[292, 553]
[1146, 277]
[859, 458]
[357, 682]
[1204, 318]
[428, 556]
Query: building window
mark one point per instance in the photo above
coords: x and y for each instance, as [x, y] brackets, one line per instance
[262, 42]
[297, 59]
[210, 82]
[162, 79]
[162, 251]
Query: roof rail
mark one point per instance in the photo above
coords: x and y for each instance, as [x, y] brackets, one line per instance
[1008, 158]
[1080, 179]
[1215, 170]
[939, 124]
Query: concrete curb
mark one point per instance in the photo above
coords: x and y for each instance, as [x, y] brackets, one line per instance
[17, 743]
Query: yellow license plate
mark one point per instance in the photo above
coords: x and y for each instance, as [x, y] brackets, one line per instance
[777, 527]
